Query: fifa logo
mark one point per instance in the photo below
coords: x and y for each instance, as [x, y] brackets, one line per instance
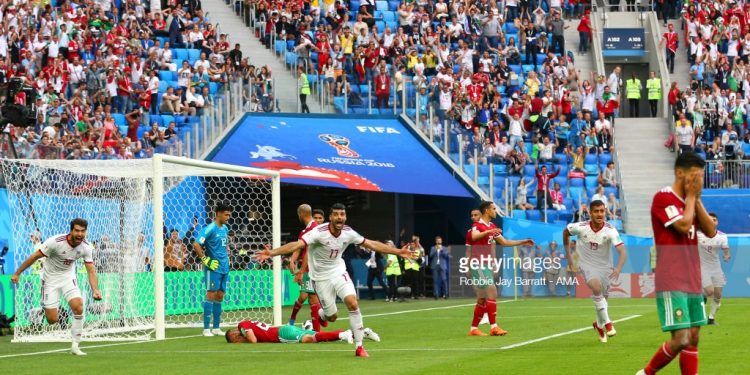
[340, 143]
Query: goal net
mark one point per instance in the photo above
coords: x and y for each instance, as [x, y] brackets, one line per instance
[143, 217]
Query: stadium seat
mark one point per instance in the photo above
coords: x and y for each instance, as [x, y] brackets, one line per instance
[165, 75]
[213, 87]
[163, 85]
[519, 214]
[591, 159]
[381, 5]
[591, 181]
[194, 54]
[483, 180]
[591, 170]
[279, 46]
[577, 193]
[166, 119]
[534, 215]
[155, 119]
[119, 119]
[500, 169]
[605, 158]
[529, 170]
[389, 16]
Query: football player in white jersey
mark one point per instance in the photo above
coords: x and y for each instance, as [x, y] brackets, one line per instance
[712, 277]
[594, 247]
[325, 245]
[59, 276]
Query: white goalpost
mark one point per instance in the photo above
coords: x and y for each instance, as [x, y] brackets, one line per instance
[143, 218]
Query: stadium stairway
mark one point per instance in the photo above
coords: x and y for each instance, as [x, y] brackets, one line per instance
[645, 167]
[285, 88]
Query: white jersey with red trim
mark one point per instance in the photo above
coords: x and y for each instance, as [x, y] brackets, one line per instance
[61, 257]
[594, 247]
[324, 250]
[709, 249]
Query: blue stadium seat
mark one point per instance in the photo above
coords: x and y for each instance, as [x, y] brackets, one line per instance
[534, 215]
[469, 170]
[166, 119]
[591, 181]
[484, 170]
[500, 169]
[165, 75]
[119, 119]
[194, 54]
[381, 5]
[381, 26]
[389, 16]
[279, 46]
[178, 120]
[591, 159]
[605, 158]
[519, 214]
[155, 119]
[591, 170]
[213, 87]
[180, 53]
[529, 170]
[563, 181]
[608, 190]
[577, 193]
[393, 5]
[163, 86]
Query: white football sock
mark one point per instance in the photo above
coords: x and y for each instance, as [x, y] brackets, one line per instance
[77, 329]
[355, 322]
[714, 308]
[602, 316]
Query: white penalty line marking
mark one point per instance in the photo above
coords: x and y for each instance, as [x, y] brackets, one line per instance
[562, 334]
[94, 346]
[190, 336]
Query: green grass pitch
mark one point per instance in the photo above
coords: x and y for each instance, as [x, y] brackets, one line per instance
[547, 336]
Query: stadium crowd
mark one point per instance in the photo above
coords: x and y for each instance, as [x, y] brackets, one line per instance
[115, 79]
[499, 73]
[711, 115]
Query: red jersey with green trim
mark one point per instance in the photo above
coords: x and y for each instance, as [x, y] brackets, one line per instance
[262, 331]
[482, 245]
[678, 261]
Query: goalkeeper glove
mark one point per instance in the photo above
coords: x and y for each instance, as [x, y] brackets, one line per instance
[211, 264]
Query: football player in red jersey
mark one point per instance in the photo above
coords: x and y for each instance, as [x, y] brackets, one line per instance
[480, 240]
[677, 214]
[252, 332]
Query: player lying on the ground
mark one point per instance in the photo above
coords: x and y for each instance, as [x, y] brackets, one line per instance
[252, 332]
[59, 277]
[594, 247]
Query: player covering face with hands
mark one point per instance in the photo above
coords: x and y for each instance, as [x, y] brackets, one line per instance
[325, 246]
[59, 277]
[677, 215]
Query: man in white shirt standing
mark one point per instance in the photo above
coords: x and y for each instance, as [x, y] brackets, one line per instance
[326, 244]
[59, 276]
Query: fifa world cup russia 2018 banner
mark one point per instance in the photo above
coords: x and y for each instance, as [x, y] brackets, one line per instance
[360, 153]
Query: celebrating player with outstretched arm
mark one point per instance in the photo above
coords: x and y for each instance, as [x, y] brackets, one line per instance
[479, 243]
[712, 277]
[594, 247]
[325, 245]
[677, 215]
[59, 276]
[253, 332]
[211, 247]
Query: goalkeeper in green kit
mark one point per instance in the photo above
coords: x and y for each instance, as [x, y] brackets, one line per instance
[211, 247]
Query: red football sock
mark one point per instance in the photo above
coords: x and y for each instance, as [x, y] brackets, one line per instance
[662, 358]
[314, 315]
[689, 360]
[327, 336]
[492, 311]
[479, 311]
[295, 309]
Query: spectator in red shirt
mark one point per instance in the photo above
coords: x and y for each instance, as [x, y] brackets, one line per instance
[542, 186]
[670, 38]
[382, 88]
[584, 32]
